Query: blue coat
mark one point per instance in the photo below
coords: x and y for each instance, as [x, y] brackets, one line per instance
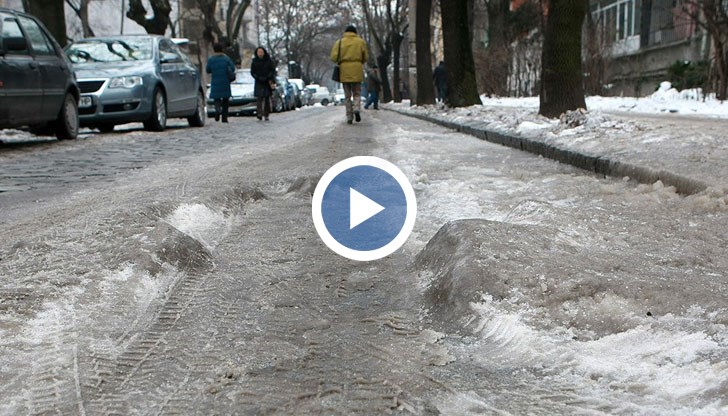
[219, 65]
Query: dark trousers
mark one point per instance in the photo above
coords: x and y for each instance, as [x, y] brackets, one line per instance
[372, 99]
[442, 92]
[263, 106]
[221, 107]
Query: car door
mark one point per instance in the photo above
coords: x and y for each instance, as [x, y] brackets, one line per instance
[169, 69]
[190, 81]
[54, 74]
[22, 94]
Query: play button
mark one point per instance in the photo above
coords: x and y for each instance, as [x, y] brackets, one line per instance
[364, 208]
[361, 208]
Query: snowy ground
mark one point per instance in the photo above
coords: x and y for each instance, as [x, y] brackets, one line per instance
[194, 282]
[689, 141]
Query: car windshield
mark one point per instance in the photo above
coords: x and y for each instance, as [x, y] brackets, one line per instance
[243, 76]
[110, 50]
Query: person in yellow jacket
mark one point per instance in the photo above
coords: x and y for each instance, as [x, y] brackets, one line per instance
[351, 69]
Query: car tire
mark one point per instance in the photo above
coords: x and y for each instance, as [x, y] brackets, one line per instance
[198, 118]
[278, 106]
[324, 102]
[66, 126]
[106, 128]
[158, 118]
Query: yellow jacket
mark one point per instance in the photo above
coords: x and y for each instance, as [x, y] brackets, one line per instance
[353, 56]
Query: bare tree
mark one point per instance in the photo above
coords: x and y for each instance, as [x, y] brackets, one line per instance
[234, 17]
[291, 28]
[712, 15]
[561, 71]
[80, 7]
[158, 23]
[387, 21]
[425, 88]
[51, 13]
[460, 67]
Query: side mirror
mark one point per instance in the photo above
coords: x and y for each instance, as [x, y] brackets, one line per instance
[168, 58]
[14, 44]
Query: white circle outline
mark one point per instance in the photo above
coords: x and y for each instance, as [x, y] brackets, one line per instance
[318, 219]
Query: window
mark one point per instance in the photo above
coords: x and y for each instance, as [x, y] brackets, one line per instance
[37, 39]
[12, 36]
[111, 50]
[166, 47]
[619, 20]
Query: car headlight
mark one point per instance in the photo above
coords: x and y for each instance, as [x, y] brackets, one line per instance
[125, 82]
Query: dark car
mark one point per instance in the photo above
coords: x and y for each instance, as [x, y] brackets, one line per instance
[136, 78]
[37, 85]
[289, 99]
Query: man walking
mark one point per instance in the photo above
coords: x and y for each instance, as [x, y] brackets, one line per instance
[374, 85]
[350, 52]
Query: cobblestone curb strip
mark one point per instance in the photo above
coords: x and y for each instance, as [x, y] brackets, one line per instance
[598, 164]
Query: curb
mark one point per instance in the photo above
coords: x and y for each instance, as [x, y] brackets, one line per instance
[599, 164]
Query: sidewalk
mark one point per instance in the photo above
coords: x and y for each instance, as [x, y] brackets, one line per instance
[687, 152]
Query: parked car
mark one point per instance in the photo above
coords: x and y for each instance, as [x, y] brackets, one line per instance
[37, 85]
[278, 104]
[242, 100]
[319, 94]
[136, 78]
[299, 87]
[339, 96]
[297, 95]
[289, 100]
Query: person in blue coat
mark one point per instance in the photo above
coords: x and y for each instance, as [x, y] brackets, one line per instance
[222, 71]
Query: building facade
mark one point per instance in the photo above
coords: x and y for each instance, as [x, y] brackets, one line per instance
[640, 39]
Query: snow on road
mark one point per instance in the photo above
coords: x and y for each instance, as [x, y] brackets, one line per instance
[197, 280]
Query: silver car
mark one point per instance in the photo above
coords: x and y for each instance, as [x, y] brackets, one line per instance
[139, 78]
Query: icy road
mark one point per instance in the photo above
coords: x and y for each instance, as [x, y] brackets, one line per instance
[180, 273]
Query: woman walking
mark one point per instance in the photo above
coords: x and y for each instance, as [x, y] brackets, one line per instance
[222, 70]
[264, 73]
[350, 52]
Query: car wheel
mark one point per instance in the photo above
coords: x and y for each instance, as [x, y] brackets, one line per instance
[158, 119]
[278, 106]
[324, 102]
[198, 119]
[66, 126]
[106, 128]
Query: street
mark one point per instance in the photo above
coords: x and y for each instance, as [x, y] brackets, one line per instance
[180, 273]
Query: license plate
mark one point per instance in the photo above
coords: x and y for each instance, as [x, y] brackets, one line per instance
[85, 102]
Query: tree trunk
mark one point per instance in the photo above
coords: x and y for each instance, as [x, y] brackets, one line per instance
[462, 89]
[83, 15]
[494, 72]
[157, 24]
[51, 13]
[383, 63]
[425, 88]
[561, 72]
[396, 44]
[720, 52]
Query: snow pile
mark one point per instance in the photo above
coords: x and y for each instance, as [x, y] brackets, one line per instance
[201, 223]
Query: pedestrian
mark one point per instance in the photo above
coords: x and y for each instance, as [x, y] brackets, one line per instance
[264, 73]
[440, 79]
[350, 52]
[374, 85]
[222, 71]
